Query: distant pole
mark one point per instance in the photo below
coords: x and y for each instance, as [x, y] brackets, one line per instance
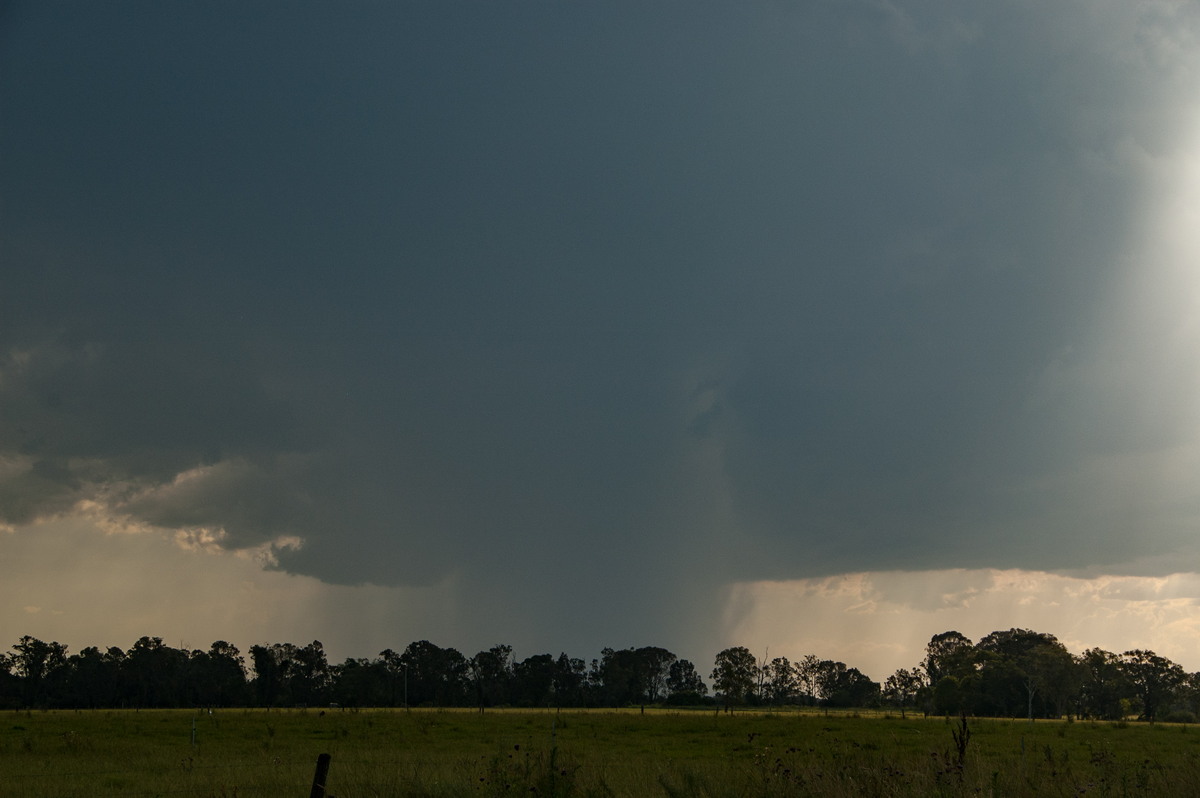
[406, 688]
[320, 777]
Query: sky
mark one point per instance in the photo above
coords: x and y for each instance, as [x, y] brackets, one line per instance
[816, 327]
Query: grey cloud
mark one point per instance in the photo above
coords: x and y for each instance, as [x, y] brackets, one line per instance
[554, 302]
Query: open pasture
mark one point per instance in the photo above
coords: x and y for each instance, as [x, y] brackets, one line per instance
[586, 753]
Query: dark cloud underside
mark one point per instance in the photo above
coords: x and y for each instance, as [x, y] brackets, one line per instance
[520, 292]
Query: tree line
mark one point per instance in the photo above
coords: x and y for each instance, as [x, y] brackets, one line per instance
[152, 674]
[1013, 673]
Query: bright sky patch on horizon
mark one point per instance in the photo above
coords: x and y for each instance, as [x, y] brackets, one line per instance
[591, 327]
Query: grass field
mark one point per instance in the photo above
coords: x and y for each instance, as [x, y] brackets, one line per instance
[584, 753]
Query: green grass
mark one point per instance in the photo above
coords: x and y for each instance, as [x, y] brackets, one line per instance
[579, 753]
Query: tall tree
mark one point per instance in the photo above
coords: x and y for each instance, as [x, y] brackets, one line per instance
[1187, 698]
[570, 677]
[618, 678]
[684, 683]
[491, 673]
[435, 676]
[155, 673]
[948, 654]
[361, 683]
[1018, 666]
[1154, 679]
[217, 676]
[10, 685]
[1104, 687]
[903, 687]
[734, 674]
[808, 672]
[310, 676]
[273, 667]
[533, 680]
[453, 688]
[842, 686]
[653, 664]
[393, 666]
[35, 663]
[1057, 675]
[781, 681]
[93, 679]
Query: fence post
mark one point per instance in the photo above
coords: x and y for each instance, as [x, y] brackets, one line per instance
[318, 785]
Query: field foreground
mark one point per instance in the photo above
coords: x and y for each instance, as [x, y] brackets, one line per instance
[584, 753]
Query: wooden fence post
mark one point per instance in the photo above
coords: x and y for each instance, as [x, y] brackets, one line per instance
[318, 785]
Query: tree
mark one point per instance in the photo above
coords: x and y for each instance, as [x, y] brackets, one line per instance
[491, 673]
[309, 676]
[35, 663]
[570, 677]
[841, 686]
[808, 672]
[10, 685]
[949, 696]
[155, 673]
[1186, 705]
[633, 675]
[902, 688]
[1153, 678]
[684, 685]
[93, 678]
[393, 668]
[217, 676]
[435, 676]
[948, 654]
[533, 680]
[453, 688]
[734, 675]
[854, 689]
[271, 666]
[1103, 685]
[950, 657]
[1018, 665]
[1057, 675]
[618, 678]
[781, 681]
[653, 665]
[421, 662]
[361, 683]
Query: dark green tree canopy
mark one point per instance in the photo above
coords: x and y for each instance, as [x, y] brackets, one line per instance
[1008, 673]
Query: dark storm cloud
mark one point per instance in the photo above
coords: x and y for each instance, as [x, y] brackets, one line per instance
[515, 292]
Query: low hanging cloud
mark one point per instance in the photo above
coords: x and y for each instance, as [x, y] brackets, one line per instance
[590, 314]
